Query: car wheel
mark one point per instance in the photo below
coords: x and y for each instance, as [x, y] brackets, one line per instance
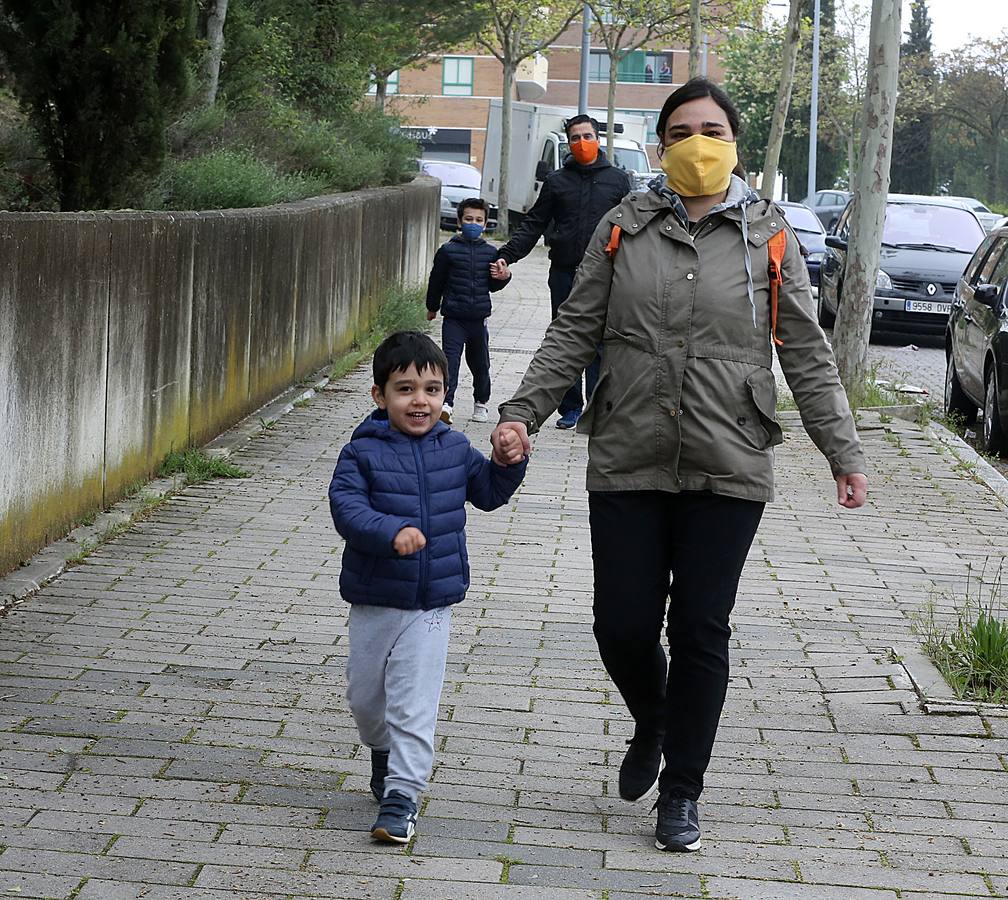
[956, 402]
[993, 436]
[826, 318]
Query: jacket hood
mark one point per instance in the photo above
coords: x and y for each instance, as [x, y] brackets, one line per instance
[377, 425]
[601, 162]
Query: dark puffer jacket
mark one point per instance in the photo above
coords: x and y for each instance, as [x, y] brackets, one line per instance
[570, 204]
[386, 481]
[460, 282]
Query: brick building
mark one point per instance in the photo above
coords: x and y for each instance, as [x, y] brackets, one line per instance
[447, 101]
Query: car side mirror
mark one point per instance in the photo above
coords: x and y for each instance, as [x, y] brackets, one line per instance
[836, 243]
[987, 294]
[542, 170]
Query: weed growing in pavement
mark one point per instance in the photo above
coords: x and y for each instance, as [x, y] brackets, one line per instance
[972, 653]
[198, 467]
[402, 309]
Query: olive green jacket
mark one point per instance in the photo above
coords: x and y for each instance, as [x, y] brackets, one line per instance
[686, 399]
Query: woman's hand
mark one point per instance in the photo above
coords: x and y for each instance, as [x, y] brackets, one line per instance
[852, 490]
[510, 440]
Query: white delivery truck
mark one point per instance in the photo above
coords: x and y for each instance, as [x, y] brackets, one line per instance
[539, 146]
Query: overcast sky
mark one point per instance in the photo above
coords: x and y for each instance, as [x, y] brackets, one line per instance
[955, 21]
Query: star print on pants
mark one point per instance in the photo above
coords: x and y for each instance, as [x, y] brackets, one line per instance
[434, 620]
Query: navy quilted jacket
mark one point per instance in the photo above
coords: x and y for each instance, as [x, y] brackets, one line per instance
[460, 282]
[385, 481]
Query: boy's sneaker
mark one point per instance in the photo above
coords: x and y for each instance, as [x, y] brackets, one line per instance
[396, 819]
[569, 419]
[678, 823]
[480, 413]
[639, 769]
[446, 416]
[379, 769]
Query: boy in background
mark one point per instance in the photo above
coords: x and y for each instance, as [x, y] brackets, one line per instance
[398, 499]
[464, 274]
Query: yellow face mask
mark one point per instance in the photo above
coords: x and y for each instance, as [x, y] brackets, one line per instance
[699, 165]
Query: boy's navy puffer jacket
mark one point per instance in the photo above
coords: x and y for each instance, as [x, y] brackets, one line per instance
[386, 481]
[460, 282]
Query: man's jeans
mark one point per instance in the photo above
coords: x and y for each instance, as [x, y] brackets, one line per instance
[560, 283]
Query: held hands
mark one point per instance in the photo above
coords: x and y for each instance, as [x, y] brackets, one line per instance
[499, 270]
[510, 442]
[852, 490]
[431, 315]
[409, 540]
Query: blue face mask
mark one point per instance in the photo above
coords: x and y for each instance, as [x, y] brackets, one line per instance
[471, 230]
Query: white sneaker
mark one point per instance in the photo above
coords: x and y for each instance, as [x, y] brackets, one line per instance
[480, 413]
[446, 414]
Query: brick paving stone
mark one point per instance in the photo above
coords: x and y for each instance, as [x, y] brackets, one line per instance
[173, 708]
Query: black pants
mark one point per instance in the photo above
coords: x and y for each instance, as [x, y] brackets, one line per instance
[457, 334]
[560, 282]
[640, 541]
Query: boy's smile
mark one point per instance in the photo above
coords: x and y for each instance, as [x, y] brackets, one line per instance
[413, 400]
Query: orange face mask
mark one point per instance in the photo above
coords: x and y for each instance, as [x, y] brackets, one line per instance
[585, 151]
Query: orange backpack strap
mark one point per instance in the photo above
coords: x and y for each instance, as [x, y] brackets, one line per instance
[775, 258]
[614, 239]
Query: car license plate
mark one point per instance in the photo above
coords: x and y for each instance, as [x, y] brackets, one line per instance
[928, 306]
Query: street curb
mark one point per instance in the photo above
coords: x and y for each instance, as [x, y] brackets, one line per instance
[936, 697]
[53, 559]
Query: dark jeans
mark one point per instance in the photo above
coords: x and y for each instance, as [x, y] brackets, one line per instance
[560, 283]
[641, 540]
[457, 334]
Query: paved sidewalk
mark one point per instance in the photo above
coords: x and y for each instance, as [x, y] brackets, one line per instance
[173, 725]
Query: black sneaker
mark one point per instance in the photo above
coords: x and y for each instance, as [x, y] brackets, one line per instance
[639, 769]
[396, 819]
[379, 769]
[678, 823]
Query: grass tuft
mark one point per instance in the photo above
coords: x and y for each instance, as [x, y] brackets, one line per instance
[971, 652]
[198, 467]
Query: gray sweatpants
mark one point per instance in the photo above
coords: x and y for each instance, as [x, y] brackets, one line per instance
[394, 678]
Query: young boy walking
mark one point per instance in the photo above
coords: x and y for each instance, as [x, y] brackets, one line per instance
[464, 274]
[398, 499]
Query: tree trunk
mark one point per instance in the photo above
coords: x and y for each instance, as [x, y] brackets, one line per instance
[695, 38]
[215, 50]
[505, 160]
[851, 170]
[995, 177]
[788, 56]
[611, 108]
[381, 89]
[853, 324]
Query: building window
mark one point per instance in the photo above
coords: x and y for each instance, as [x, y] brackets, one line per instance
[458, 76]
[391, 84]
[598, 66]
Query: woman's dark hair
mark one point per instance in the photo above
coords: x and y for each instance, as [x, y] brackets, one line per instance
[694, 89]
[473, 203]
[403, 348]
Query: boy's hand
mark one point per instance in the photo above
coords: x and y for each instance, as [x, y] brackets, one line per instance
[409, 540]
[510, 443]
[499, 270]
[431, 315]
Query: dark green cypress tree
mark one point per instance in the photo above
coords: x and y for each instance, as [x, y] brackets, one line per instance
[98, 79]
[912, 169]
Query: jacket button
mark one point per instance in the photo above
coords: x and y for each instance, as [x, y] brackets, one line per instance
[633, 225]
[773, 224]
[672, 413]
[681, 343]
[741, 420]
[619, 215]
[689, 276]
[756, 236]
[668, 227]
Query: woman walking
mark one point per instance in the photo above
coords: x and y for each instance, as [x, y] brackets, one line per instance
[677, 285]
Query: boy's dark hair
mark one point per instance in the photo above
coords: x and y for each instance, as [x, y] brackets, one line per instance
[473, 203]
[403, 348]
[577, 120]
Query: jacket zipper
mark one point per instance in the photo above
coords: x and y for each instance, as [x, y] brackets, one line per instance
[424, 524]
[472, 271]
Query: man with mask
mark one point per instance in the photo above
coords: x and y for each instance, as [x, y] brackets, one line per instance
[571, 203]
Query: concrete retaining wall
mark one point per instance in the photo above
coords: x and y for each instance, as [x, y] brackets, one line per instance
[124, 335]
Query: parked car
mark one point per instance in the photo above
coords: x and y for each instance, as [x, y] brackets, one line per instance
[988, 219]
[459, 181]
[976, 342]
[926, 244]
[827, 205]
[810, 232]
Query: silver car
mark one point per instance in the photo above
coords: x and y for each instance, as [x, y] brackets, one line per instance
[988, 219]
[827, 205]
[459, 181]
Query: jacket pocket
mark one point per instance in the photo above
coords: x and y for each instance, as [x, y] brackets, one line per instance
[762, 390]
[591, 411]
